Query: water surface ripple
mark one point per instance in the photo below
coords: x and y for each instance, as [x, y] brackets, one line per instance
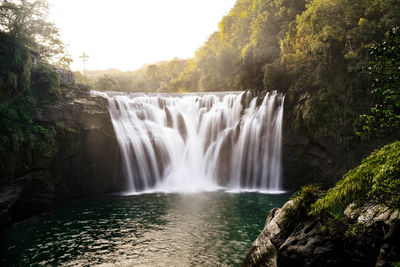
[205, 229]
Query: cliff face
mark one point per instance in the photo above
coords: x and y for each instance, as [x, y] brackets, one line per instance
[83, 161]
[306, 160]
[312, 158]
[88, 159]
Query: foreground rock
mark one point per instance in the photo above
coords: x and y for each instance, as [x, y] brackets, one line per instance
[312, 242]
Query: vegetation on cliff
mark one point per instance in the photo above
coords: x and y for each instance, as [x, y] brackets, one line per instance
[28, 43]
[384, 69]
[375, 182]
[361, 211]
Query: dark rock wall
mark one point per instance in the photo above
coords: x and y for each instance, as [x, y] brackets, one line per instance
[309, 157]
[83, 161]
[88, 162]
[306, 161]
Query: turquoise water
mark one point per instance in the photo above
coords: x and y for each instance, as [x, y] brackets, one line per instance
[205, 229]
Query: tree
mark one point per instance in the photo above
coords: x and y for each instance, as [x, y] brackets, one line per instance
[384, 69]
[106, 83]
[25, 21]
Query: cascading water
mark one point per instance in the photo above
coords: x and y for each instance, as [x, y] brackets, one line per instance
[192, 142]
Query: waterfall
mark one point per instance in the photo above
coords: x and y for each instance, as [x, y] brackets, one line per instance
[196, 142]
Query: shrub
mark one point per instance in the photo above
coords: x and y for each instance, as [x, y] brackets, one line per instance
[303, 199]
[45, 84]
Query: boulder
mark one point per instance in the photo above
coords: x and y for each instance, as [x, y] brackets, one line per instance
[313, 241]
[263, 252]
[310, 245]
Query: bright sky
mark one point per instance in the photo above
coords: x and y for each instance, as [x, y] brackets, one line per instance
[127, 34]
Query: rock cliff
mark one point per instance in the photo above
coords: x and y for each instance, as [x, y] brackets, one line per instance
[83, 161]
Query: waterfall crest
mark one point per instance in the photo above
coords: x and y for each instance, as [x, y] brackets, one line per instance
[196, 142]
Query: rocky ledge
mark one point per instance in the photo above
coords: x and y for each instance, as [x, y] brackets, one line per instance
[374, 240]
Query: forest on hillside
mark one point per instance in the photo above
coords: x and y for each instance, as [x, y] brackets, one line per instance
[318, 53]
[149, 78]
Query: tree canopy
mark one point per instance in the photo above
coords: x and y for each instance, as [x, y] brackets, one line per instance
[314, 51]
[25, 21]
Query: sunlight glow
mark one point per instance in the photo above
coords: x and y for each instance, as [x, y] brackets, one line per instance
[128, 34]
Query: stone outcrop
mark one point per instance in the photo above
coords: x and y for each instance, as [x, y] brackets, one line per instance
[263, 252]
[310, 243]
[88, 162]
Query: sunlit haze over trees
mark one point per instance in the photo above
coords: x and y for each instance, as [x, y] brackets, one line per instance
[128, 34]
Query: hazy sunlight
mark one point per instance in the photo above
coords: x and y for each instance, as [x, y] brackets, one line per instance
[127, 34]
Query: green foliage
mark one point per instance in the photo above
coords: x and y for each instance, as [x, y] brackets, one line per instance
[311, 50]
[22, 141]
[45, 84]
[14, 68]
[248, 39]
[375, 181]
[384, 69]
[302, 199]
[323, 51]
[25, 22]
[107, 83]
[24, 87]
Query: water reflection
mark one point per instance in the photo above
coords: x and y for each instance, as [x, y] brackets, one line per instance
[204, 229]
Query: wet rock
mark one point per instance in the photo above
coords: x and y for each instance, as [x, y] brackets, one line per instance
[389, 251]
[309, 246]
[224, 160]
[161, 103]
[170, 121]
[261, 97]
[263, 252]
[89, 159]
[26, 197]
[53, 113]
[372, 214]
[181, 126]
[246, 98]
